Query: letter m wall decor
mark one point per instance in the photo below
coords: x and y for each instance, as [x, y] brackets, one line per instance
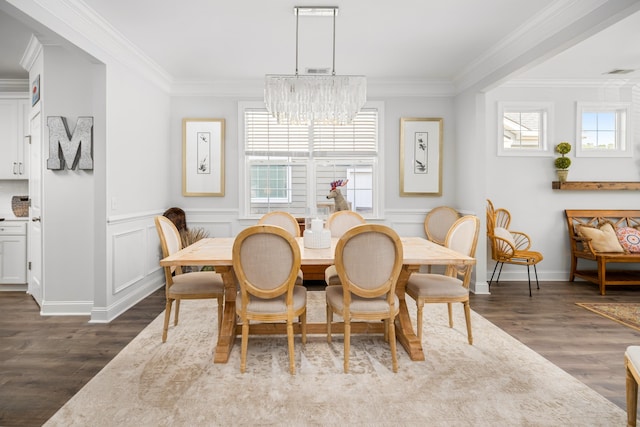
[73, 150]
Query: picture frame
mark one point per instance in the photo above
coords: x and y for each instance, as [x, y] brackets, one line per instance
[421, 156]
[35, 91]
[203, 157]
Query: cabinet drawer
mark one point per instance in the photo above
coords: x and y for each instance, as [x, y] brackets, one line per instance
[12, 228]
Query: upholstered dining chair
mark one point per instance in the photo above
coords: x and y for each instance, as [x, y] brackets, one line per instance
[289, 223]
[368, 258]
[338, 223]
[282, 219]
[266, 260]
[631, 364]
[179, 285]
[438, 222]
[509, 246]
[453, 286]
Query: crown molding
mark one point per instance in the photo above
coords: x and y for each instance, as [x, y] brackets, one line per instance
[79, 24]
[572, 83]
[559, 26]
[253, 88]
[31, 53]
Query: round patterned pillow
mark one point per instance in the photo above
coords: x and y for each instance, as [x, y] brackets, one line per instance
[629, 238]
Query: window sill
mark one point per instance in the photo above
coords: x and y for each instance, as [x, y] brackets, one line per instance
[595, 185]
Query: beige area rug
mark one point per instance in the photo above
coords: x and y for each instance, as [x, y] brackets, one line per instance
[627, 314]
[495, 382]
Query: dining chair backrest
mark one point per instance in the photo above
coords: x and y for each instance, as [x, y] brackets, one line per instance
[266, 260]
[282, 219]
[463, 238]
[368, 258]
[339, 222]
[438, 222]
[170, 240]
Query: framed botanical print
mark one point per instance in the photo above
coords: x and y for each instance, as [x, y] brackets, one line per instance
[420, 156]
[203, 157]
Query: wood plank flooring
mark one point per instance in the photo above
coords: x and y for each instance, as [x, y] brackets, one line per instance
[46, 360]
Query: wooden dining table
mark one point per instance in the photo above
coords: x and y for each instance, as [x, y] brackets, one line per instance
[217, 252]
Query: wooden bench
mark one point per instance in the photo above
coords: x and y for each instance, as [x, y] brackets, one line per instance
[581, 248]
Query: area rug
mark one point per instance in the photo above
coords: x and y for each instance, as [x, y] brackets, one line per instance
[497, 381]
[627, 314]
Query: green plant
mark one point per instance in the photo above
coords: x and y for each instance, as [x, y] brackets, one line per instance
[563, 162]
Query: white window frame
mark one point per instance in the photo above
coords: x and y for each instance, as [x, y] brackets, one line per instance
[624, 147]
[244, 186]
[275, 200]
[546, 127]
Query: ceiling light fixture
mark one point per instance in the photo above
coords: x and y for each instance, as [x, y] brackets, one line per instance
[302, 99]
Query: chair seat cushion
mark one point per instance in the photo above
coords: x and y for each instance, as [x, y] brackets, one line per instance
[197, 283]
[331, 277]
[435, 286]
[359, 305]
[275, 305]
[633, 354]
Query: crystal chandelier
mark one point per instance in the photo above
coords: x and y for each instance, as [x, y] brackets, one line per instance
[307, 99]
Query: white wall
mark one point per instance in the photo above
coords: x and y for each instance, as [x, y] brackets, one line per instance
[220, 214]
[523, 184]
[68, 219]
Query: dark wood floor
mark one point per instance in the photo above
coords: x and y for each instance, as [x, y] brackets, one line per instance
[46, 360]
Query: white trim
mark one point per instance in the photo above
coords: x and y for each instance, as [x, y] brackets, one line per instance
[546, 128]
[31, 54]
[624, 135]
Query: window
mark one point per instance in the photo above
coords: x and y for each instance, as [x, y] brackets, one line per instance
[291, 167]
[603, 130]
[523, 128]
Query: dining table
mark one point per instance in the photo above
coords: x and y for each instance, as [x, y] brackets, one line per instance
[217, 252]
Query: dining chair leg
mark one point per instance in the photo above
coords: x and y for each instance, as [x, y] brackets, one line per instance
[392, 343]
[632, 396]
[292, 360]
[420, 305]
[303, 326]
[329, 321]
[175, 320]
[450, 310]
[467, 317]
[347, 343]
[536, 272]
[529, 277]
[167, 315]
[385, 322]
[244, 345]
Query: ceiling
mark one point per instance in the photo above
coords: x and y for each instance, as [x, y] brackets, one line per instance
[206, 40]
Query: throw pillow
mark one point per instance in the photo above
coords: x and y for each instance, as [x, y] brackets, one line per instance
[503, 233]
[629, 238]
[603, 239]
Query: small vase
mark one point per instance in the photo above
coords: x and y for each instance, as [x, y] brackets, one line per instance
[562, 174]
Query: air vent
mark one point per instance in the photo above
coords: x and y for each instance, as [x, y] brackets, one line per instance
[318, 70]
[620, 71]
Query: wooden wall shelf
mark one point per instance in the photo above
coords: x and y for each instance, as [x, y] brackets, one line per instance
[595, 185]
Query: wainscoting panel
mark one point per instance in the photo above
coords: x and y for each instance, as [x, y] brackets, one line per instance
[128, 259]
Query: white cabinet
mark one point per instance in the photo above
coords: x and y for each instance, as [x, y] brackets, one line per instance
[13, 252]
[14, 127]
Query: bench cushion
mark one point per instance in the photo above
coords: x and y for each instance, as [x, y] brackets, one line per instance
[629, 238]
[603, 239]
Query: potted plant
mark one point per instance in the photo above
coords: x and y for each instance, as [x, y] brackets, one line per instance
[562, 163]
